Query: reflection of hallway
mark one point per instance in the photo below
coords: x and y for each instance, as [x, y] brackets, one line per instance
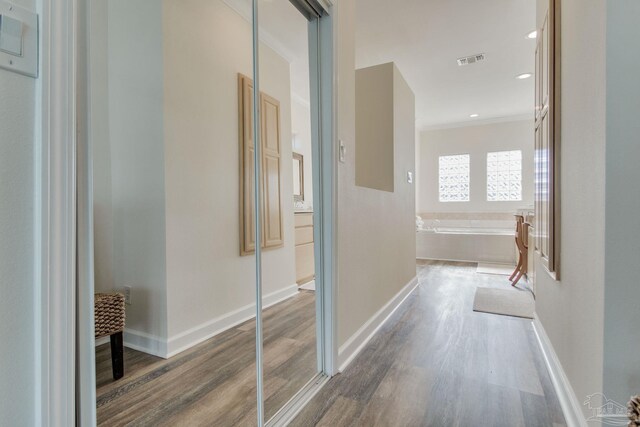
[439, 363]
[214, 383]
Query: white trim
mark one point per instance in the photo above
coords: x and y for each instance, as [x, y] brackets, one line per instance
[322, 57]
[448, 260]
[300, 100]
[354, 345]
[147, 343]
[158, 346]
[187, 339]
[85, 329]
[568, 401]
[243, 9]
[470, 123]
[308, 286]
[463, 260]
[55, 261]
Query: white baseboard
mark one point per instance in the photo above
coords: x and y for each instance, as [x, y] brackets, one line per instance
[308, 286]
[145, 342]
[160, 347]
[568, 401]
[466, 260]
[352, 347]
[140, 341]
[187, 339]
[449, 260]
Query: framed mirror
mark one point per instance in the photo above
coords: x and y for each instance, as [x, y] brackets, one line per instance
[298, 177]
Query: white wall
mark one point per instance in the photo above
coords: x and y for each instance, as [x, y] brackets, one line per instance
[135, 78]
[102, 207]
[376, 232]
[476, 141]
[17, 250]
[17, 220]
[622, 293]
[571, 310]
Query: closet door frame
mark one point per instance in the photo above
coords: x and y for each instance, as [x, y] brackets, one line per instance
[61, 224]
[324, 161]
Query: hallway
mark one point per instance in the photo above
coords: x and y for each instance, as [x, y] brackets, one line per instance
[438, 363]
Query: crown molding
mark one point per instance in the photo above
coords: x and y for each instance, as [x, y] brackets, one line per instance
[300, 100]
[243, 8]
[470, 123]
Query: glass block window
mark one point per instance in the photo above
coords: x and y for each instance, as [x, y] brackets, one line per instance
[454, 178]
[504, 176]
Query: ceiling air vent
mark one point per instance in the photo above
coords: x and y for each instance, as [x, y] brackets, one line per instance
[471, 59]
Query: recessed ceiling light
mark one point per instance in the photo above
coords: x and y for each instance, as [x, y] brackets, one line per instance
[473, 116]
[523, 76]
[532, 35]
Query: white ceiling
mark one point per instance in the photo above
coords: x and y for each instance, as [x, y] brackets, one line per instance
[425, 37]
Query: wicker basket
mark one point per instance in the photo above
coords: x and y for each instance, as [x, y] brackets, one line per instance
[634, 411]
[109, 314]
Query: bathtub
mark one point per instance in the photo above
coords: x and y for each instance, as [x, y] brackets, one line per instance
[467, 240]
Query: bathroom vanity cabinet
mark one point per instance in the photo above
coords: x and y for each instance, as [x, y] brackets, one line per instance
[305, 268]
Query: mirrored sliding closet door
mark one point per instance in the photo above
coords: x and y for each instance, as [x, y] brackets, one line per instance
[204, 136]
[286, 146]
[290, 338]
[173, 256]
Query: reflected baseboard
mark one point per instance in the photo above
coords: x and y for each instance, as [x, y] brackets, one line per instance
[309, 286]
[164, 348]
[146, 343]
[187, 339]
[141, 341]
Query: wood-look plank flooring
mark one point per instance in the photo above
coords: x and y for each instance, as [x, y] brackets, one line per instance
[213, 383]
[436, 362]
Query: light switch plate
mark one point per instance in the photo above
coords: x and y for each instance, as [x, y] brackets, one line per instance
[410, 177]
[19, 44]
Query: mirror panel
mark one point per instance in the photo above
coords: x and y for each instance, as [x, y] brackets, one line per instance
[298, 177]
[289, 314]
[167, 169]
[173, 134]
